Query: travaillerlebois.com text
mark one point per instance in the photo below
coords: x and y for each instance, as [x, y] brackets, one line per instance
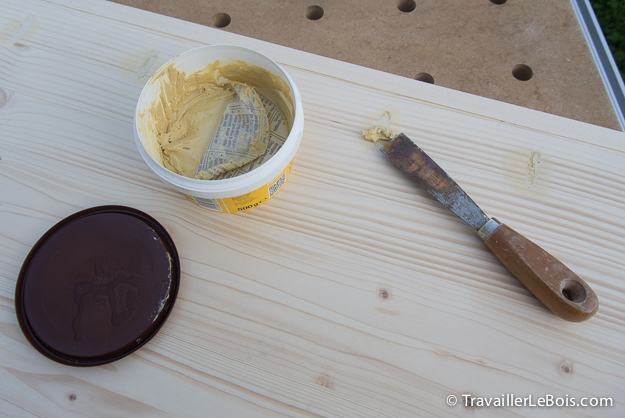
[510, 400]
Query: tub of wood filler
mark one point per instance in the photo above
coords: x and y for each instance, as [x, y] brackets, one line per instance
[220, 124]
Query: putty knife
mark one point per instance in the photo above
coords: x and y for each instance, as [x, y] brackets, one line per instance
[554, 284]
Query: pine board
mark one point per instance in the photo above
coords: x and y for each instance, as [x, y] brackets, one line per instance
[352, 293]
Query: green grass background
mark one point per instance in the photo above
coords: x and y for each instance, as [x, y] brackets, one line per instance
[611, 17]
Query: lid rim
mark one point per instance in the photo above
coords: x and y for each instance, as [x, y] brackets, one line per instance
[79, 361]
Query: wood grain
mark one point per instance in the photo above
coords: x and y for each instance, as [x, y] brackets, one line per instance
[352, 293]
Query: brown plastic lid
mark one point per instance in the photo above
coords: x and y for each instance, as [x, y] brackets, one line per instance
[97, 286]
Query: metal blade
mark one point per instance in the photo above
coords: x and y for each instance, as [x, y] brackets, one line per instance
[421, 168]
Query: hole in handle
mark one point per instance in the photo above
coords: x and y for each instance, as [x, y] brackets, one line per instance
[573, 291]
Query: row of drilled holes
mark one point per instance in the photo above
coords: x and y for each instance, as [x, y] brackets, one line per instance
[521, 72]
[408, 6]
[221, 20]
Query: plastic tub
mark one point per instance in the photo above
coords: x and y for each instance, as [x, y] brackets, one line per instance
[245, 191]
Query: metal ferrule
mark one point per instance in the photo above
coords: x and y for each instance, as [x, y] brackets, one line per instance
[488, 228]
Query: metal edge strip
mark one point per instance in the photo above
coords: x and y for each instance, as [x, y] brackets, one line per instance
[603, 57]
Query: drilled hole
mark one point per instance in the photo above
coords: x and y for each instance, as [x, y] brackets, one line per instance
[574, 291]
[425, 77]
[406, 6]
[314, 12]
[221, 20]
[522, 72]
[498, 1]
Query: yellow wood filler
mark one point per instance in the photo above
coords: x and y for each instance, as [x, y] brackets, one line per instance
[216, 119]
[382, 131]
[184, 117]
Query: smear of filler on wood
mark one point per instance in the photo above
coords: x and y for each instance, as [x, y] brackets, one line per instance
[382, 131]
[21, 30]
[146, 63]
[533, 168]
[214, 121]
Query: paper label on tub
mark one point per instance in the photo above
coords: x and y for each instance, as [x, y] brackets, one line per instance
[234, 129]
[245, 201]
[211, 204]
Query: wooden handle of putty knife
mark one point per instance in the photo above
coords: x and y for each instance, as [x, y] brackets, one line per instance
[553, 283]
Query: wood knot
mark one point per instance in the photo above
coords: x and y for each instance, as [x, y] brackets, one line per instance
[72, 397]
[468, 402]
[324, 380]
[384, 293]
[4, 97]
[566, 367]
